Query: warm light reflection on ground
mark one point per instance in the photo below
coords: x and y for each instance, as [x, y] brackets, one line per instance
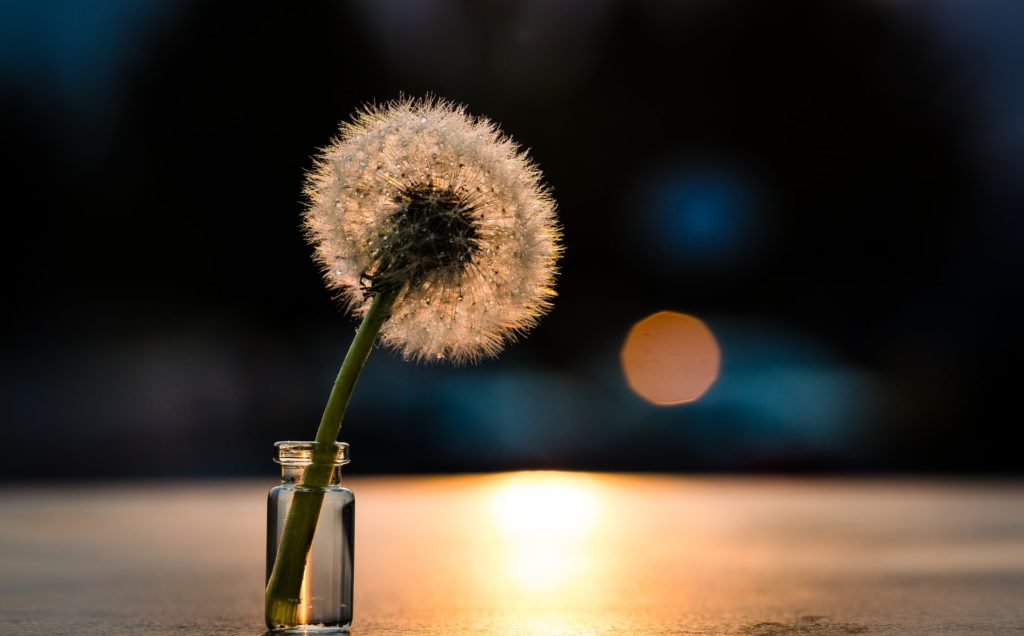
[670, 358]
[536, 554]
[544, 519]
[553, 553]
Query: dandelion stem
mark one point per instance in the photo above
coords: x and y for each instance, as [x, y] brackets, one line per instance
[285, 581]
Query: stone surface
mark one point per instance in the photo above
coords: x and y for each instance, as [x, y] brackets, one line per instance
[534, 553]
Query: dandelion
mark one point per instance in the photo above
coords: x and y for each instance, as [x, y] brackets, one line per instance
[420, 199]
[435, 228]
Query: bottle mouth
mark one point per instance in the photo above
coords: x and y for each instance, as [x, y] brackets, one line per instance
[301, 453]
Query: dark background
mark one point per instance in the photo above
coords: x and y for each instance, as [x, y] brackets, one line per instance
[834, 187]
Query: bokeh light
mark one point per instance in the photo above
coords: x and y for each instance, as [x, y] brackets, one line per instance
[670, 358]
[700, 215]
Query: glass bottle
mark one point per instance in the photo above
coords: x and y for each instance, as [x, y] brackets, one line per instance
[325, 599]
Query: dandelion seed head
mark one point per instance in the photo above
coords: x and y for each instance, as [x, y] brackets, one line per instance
[420, 198]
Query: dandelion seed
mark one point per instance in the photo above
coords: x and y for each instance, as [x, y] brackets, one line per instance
[421, 199]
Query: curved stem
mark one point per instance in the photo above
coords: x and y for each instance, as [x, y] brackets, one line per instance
[285, 580]
[358, 352]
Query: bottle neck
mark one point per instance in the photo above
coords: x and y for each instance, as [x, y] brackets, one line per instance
[292, 474]
[296, 458]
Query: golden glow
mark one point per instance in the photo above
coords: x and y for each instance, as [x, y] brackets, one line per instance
[304, 602]
[670, 358]
[544, 519]
[545, 506]
[548, 553]
[664, 555]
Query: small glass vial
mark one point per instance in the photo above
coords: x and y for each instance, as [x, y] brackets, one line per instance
[325, 598]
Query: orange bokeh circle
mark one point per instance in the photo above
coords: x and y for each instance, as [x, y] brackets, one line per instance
[670, 358]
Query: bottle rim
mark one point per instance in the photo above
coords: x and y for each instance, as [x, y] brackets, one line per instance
[291, 453]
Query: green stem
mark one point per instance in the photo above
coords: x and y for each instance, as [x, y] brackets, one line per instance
[285, 582]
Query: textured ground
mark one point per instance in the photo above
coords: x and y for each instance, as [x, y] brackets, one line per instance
[547, 554]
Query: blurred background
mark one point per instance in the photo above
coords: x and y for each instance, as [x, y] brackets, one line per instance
[830, 193]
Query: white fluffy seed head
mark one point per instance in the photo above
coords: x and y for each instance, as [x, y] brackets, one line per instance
[419, 197]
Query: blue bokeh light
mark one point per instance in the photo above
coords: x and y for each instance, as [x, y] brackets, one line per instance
[700, 216]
